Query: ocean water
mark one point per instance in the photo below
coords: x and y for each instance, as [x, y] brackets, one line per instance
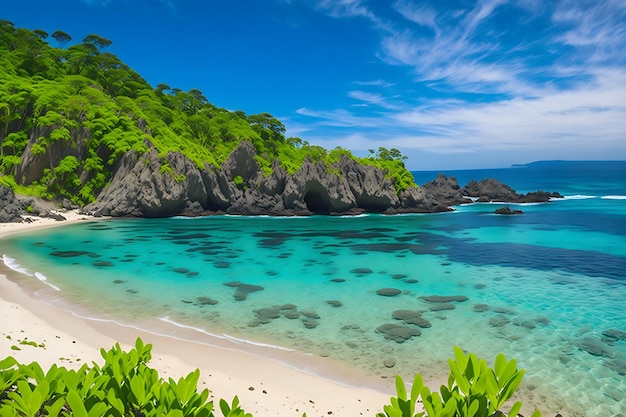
[547, 287]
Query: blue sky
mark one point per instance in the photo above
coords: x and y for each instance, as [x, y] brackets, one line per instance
[453, 84]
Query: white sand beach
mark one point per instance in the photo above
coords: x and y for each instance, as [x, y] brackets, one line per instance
[265, 386]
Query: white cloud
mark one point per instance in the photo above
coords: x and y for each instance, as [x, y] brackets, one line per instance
[549, 83]
[596, 27]
[376, 83]
[590, 119]
[374, 99]
[421, 14]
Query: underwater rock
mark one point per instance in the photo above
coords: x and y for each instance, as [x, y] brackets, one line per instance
[291, 314]
[181, 270]
[310, 323]
[442, 307]
[617, 365]
[288, 307]
[481, 308]
[334, 303]
[444, 298]
[206, 301]
[388, 292]
[310, 314]
[411, 317]
[243, 289]
[102, 263]
[419, 322]
[264, 315]
[68, 253]
[361, 271]
[397, 332]
[527, 324]
[337, 280]
[499, 321]
[614, 334]
[399, 276]
[406, 314]
[594, 347]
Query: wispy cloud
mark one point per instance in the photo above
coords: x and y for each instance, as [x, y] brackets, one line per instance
[375, 83]
[422, 13]
[596, 29]
[374, 99]
[590, 119]
[549, 83]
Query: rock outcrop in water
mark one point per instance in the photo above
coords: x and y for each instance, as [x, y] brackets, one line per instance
[447, 191]
[490, 189]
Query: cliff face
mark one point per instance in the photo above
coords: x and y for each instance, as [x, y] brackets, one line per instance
[141, 187]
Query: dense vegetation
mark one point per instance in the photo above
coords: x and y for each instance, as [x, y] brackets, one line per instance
[56, 97]
[126, 386]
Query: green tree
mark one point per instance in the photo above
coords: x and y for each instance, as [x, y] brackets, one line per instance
[98, 41]
[41, 33]
[61, 37]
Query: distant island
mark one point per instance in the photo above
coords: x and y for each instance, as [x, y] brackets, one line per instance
[561, 164]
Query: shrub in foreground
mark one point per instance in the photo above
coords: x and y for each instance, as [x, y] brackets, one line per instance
[126, 386]
[123, 386]
[473, 390]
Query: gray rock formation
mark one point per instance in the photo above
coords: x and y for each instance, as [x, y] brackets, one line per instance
[13, 207]
[507, 211]
[446, 190]
[151, 186]
[10, 206]
[491, 189]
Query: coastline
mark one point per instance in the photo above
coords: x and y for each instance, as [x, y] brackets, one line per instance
[264, 385]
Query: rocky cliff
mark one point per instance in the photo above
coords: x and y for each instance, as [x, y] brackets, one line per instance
[141, 187]
[150, 185]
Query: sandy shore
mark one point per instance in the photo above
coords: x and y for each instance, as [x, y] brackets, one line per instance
[265, 386]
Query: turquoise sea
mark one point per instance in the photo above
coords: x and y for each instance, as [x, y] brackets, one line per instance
[547, 287]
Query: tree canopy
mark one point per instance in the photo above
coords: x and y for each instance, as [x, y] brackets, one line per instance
[87, 100]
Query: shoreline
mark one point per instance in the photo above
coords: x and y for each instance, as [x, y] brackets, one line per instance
[265, 385]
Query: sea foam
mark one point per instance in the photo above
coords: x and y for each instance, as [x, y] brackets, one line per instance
[223, 336]
[574, 197]
[15, 266]
[41, 277]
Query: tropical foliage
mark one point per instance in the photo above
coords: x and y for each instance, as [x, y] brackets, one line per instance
[123, 386]
[82, 101]
[126, 386]
[473, 390]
